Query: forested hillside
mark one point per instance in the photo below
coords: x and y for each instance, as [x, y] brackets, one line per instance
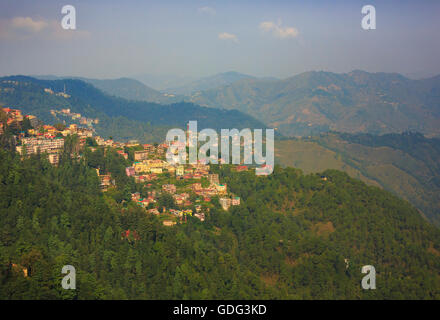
[120, 118]
[289, 238]
[126, 88]
[406, 164]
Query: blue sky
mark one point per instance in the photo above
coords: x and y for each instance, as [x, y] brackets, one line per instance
[201, 38]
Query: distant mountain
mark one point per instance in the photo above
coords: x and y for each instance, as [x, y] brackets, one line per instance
[163, 82]
[406, 164]
[133, 90]
[314, 102]
[126, 88]
[211, 82]
[120, 118]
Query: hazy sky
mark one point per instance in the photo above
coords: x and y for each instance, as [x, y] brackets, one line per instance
[200, 38]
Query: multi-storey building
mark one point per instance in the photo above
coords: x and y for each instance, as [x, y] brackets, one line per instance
[34, 145]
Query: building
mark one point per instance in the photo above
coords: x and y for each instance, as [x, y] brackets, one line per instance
[130, 171]
[130, 233]
[197, 187]
[54, 158]
[156, 170]
[135, 196]
[149, 148]
[213, 178]
[106, 182]
[153, 211]
[200, 216]
[225, 203]
[221, 188]
[180, 171]
[140, 155]
[122, 153]
[34, 145]
[141, 167]
[169, 188]
[235, 201]
[180, 199]
[33, 120]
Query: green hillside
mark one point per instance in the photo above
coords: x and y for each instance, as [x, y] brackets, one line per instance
[120, 118]
[126, 88]
[289, 238]
[407, 164]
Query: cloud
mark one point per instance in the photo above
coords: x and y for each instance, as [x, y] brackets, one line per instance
[58, 33]
[228, 36]
[28, 24]
[278, 31]
[22, 28]
[207, 10]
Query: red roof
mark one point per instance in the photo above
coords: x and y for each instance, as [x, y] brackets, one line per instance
[127, 233]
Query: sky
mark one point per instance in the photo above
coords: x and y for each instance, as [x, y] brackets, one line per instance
[201, 38]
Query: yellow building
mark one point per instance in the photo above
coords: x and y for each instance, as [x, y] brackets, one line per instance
[221, 188]
[141, 167]
[156, 170]
[180, 171]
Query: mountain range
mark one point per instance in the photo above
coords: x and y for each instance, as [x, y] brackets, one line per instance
[211, 82]
[123, 119]
[163, 82]
[306, 104]
[126, 88]
[314, 102]
[293, 236]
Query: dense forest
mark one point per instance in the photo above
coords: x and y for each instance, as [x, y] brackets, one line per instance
[294, 236]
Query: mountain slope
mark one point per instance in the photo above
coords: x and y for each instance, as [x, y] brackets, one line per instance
[407, 164]
[315, 102]
[131, 89]
[28, 94]
[126, 88]
[292, 237]
[211, 82]
[163, 82]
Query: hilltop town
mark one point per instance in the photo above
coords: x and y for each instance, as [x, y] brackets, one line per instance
[189, 189]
